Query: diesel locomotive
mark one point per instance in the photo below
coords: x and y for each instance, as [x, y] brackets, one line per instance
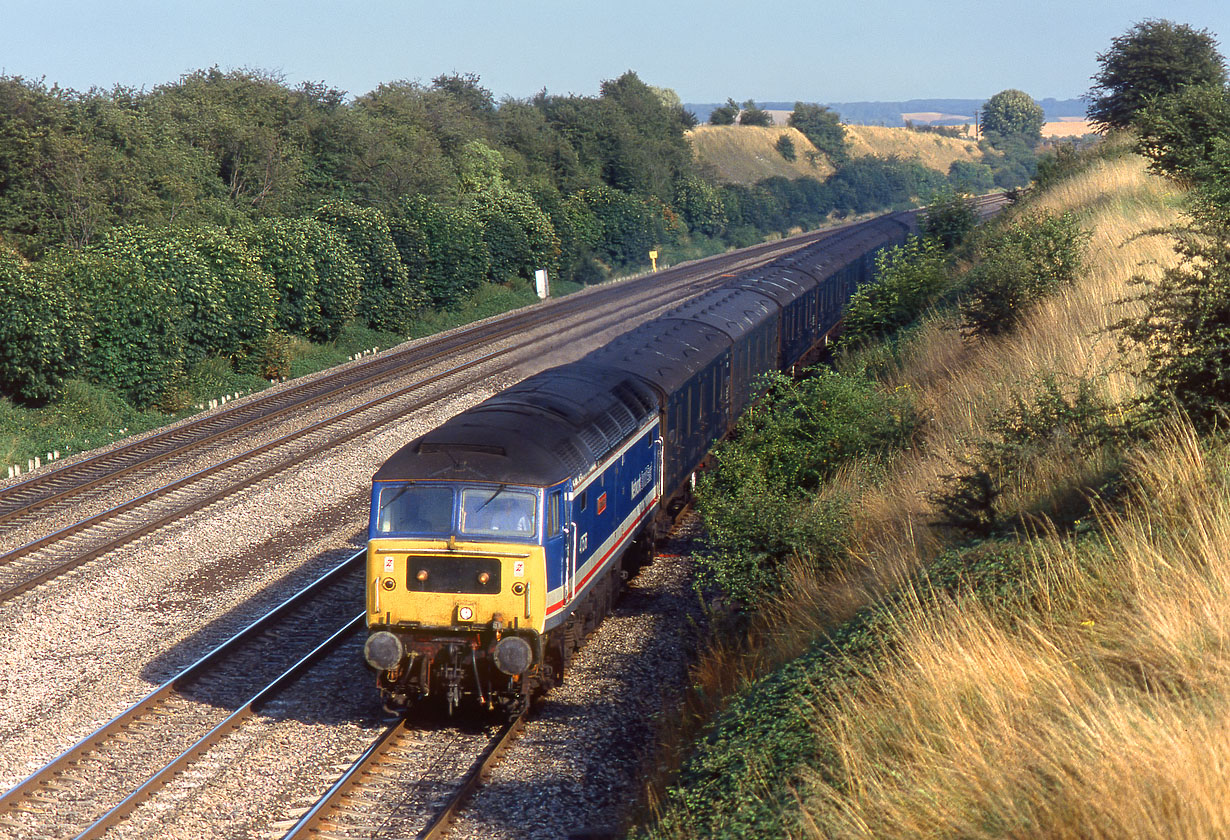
[498, 540]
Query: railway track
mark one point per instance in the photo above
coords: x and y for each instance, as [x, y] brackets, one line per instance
[56, 553]
[20, 500]
[392, 771]
[88, 789]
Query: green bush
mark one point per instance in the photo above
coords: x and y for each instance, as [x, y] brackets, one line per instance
[759, 501]
[908, 278]
[42, 331]
[1183, 332]
[1020, 264]
[1072, 421]
[390, 298]
[949, 218]
[444, 247]
[249, 296]
[136, 347]
[171, 255]
[785, 148]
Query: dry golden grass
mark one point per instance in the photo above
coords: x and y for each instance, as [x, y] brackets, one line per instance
[931, 150]
[959, 384]
[1054, 726]
[745, 154]
[1106, 713]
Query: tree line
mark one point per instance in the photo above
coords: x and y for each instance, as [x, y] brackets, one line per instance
[143, 231]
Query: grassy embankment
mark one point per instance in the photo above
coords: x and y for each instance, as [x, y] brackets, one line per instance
[1047, 681]
[747, 154]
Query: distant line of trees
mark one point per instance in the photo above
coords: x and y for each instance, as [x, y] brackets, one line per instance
[142, 232]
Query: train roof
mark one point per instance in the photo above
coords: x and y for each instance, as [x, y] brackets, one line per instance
[781, 284]
[666, 351]
[551, 426]
[735, 312]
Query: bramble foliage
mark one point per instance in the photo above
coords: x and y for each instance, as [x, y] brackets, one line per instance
[135, 344]
[42, 332]
[949, 218]
[1013, 113]
[1183, 331]
[758, 501]
[1069, 421]
[1154, 58]
[908, 278]
[1019, 264]
[822, 127]
[389, 298]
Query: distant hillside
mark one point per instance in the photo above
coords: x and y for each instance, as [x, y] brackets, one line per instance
[745, 154]
[930, 150]
[955, 111]
[740, 154]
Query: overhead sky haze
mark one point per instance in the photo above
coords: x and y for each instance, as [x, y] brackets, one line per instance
[768, 50]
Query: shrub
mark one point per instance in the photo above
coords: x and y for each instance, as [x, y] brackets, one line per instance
[1069, 421]
[283, 248]
[1183, 332]
[908, 278]
[171, 256]
[949, 218]
[136, 347]
[759, 501]
[441, 246]
[390, 297]
[1019, 265]
[785, 148]
[42, 331]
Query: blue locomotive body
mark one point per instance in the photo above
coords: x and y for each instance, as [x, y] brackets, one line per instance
[586, 465]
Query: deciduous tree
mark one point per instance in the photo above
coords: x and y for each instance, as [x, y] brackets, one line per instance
[1154, 58]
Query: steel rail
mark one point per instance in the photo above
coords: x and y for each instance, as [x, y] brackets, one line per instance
[192, 672]
[231, 723]
[43, 485]
[318, 815]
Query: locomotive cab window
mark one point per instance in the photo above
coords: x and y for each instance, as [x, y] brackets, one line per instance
[414, 509]
[499, 512]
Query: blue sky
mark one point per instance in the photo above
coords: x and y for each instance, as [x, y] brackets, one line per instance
[767, 50]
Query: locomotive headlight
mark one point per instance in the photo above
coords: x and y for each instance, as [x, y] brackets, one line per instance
[465, 613]
[389, 584]
[483, 577]
[383, 650]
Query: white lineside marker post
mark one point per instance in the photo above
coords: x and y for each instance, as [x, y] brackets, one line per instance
[653, 258]
[541, 284]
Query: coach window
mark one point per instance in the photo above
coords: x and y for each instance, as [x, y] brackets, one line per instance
[582, 500]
